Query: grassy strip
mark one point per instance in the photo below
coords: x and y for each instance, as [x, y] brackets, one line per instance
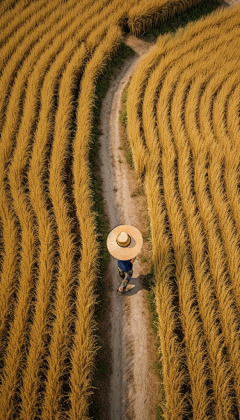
[191, 15]
[123, 123]
[102, 358]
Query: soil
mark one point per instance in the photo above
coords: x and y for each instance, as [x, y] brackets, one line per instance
[133, 384]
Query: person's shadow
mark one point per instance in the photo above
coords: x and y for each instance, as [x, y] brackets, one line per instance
[135, 285]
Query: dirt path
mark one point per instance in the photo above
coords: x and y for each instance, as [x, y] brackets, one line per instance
[133, 383]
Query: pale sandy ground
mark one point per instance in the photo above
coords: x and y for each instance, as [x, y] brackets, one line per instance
[232, 2]
[133, 382]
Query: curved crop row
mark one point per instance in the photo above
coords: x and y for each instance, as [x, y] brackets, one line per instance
[41, 139]
[205, 289]
[61, 335]
[197, 359]
[23, 137]
[9, 79]
[179, 102]
[9, 133]
[8, 9]
[25, 14]
[144, 15]
[17, 39]
[227, 140]
[24, 214]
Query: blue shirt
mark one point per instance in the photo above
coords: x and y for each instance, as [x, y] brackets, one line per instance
[125, 266]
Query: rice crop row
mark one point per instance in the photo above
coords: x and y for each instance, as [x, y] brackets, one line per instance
[174, 353]
[17, 38]
[61, 335]
[29, 116]
[26, 14]
[189, 41]
[178, 113]
[232, 115]
[8, 132]
[228, 244]
[9, 78]
[144, 15]
[218, 261]
[28, 246]
[60, 209]
[222, 106]
[29, 53]
[8, 9]
[206, 294]
[197, 360]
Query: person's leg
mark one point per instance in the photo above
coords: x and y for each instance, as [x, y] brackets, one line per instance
[129, 275]
[121, 273]
[125, 281]
[123, 284]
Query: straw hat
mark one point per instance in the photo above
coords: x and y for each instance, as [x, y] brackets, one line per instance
[124, 242]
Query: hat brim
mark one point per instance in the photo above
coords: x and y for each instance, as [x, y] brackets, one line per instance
[129, 252]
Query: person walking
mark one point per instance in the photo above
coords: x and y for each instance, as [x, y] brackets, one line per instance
[124, 243]
[125, 269]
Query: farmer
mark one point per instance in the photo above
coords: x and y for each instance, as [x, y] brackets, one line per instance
[124, 243]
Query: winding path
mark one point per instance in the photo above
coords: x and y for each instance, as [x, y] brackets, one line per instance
[133, 383]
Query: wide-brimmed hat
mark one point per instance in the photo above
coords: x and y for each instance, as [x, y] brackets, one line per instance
[124, 242]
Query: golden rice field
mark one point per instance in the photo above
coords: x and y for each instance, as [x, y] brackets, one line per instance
[51, 55]
[184, 128]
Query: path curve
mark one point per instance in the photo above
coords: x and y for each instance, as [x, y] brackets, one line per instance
[133, 383]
